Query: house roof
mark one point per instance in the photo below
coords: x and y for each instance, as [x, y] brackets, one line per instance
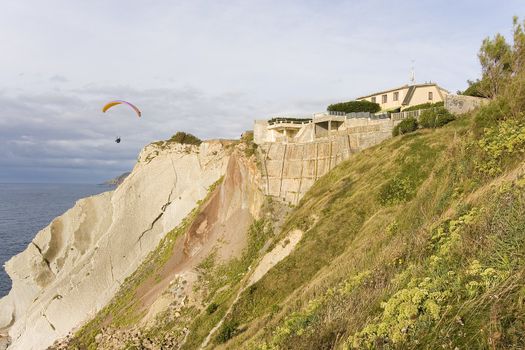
[406, 86]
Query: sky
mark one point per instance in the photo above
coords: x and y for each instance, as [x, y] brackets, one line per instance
[209, 68]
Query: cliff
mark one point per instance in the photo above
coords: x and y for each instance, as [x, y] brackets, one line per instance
[73, 267]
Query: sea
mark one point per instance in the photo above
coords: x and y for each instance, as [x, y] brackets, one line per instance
[25, 209]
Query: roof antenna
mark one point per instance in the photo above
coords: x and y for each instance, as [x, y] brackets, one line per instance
[412, 77]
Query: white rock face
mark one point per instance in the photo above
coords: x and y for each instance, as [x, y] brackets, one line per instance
[73, 267]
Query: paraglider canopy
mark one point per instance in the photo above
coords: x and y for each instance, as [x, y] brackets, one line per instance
[118, 102]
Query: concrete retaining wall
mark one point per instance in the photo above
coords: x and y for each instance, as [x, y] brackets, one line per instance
[459, 104]
[289, 170]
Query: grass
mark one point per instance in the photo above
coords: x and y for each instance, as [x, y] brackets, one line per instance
[434, 254]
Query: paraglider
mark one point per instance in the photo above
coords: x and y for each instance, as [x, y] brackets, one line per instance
[118, 102]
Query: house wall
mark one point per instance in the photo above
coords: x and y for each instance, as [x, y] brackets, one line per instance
[421, 95]
[390, 99]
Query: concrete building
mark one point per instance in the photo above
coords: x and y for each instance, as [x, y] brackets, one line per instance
[279, 129]
[406, 96]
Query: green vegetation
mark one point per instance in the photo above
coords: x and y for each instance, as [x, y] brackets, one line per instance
[212, 308]
[185, 138]
[500, 145]
[435, 117]
[250, 146]
[227, 331]
[406, 126]
[424, 106]
[354, 106]
[501, 63]
[474, 89]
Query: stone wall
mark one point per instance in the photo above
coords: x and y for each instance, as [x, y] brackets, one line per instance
[460, 104]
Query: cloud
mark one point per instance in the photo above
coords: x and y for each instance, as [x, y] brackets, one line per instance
[206, 67]
[58, 79]
[68, 130]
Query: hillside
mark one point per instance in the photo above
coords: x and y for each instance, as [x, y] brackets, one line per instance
[414, 243]
[406, 245]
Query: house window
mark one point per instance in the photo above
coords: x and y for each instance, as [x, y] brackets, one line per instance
[430, 95]
[396, 96]
[384, 99]
[373, 99]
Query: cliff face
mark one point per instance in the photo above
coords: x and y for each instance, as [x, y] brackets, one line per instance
[156, 305]
[74, 266]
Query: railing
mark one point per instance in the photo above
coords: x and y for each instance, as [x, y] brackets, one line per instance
[408, 114]
[289, 120]
[337, 113]
[352, 115]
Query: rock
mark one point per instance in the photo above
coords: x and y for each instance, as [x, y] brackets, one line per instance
[98, 338]
[86, 253]
[4, 342]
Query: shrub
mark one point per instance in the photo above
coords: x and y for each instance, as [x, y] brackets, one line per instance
[435, 117]
[474, 89]
[185, 138]
[489, 115]
[424, 106]
[499, 145]
[405, 126]
[212, 308]
[247, 139]
[355, 106]
[395, 191]
[227, 331]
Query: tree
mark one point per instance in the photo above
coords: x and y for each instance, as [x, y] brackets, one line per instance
[495, 56]
[518, 49]
[474, 89]
[355, 106]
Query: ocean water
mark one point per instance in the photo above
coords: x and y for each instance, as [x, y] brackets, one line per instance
[25, 209]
